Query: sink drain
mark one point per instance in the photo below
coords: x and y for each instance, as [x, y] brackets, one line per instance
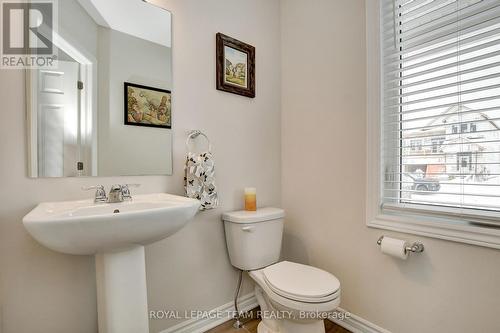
[116, 211]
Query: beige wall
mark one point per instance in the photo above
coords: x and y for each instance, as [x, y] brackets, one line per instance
[451, 287]
[43, 291]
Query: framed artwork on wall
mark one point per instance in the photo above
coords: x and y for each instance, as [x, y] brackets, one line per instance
[235, 66]
[147, 106]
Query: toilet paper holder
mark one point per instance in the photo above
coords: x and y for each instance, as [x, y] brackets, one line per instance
[416, 247]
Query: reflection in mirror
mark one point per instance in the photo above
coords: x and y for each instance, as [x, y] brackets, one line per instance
[81, 119]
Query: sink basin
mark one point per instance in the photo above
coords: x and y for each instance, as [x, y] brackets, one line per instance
[116, 234]
[84, 227]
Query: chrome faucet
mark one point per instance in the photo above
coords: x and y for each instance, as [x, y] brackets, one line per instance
[117, 193]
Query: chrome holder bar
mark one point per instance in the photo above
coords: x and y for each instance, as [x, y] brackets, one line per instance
[194, 134]
[416, 247]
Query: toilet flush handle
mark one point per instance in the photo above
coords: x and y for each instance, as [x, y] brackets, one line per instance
[247, 229]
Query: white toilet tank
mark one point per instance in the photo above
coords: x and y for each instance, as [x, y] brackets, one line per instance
[254, 238]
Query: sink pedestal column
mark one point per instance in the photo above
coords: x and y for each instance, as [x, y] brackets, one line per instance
[122, 304]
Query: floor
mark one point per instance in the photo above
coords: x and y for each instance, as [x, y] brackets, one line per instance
[251, 327]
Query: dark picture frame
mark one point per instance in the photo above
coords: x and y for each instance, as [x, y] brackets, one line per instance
[235, 72]
[130, 109]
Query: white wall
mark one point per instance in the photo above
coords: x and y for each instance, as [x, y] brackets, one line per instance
[451, 287]
[124, 149]
[43, 291]
[77, 27]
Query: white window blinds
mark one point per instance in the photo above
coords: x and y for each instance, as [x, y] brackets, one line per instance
[441, 106]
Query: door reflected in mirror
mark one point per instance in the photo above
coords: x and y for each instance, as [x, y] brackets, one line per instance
[81, 120]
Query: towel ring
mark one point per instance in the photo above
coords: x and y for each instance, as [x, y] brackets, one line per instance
[196, 133]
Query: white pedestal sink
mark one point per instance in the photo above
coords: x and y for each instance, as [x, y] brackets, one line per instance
[116, 234]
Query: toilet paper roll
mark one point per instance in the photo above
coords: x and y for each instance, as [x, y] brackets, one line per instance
[394, 247]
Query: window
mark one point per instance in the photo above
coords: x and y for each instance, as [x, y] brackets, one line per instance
[437, 144]
[464, 162]
[415, 145]
[463, 128]
[440, 80]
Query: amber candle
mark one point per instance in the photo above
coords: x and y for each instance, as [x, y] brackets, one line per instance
[250, 199]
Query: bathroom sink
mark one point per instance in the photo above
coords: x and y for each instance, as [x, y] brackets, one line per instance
[116, 234]
[85, 227]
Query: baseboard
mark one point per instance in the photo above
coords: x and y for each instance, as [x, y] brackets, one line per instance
[356, 324]
[353, 323]
[245, 303]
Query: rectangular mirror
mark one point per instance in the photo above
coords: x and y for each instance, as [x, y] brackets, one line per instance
[106, 109]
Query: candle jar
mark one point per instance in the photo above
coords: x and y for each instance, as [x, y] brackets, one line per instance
[250, 199]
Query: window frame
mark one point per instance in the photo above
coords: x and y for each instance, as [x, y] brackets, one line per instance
[442, 222]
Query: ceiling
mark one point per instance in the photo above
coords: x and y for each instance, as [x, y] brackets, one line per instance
[133, 17]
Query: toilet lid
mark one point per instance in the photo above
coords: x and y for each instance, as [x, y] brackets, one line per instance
[301, 282]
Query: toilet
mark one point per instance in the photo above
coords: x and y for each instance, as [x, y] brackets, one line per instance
[293, 298]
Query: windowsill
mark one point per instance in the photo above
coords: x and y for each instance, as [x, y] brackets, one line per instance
[437, 228]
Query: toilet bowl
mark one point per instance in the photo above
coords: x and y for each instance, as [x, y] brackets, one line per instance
[297, 298]
[293, 298]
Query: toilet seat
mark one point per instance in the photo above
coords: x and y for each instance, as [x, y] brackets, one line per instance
[283, 303]
[301, 283]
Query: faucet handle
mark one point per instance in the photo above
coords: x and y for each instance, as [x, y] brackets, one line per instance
[100, 192]
[126, 191]
[94, 187]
